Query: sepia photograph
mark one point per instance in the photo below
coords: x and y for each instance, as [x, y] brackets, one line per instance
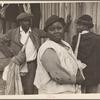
[49, 49]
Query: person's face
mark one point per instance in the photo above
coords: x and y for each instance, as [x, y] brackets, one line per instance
[81, 27]
[55, 31]
[26, 24]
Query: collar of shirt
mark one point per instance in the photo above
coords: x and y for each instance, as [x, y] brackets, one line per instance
[24, 35]
[84, 32]
[22, 31]
[63, 43]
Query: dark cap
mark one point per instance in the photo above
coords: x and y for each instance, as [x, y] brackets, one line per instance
[85, 20]
[24, 15]
[51, 20]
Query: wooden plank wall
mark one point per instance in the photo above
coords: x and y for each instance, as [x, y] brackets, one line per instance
[75, 9]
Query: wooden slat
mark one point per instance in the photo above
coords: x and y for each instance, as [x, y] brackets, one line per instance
[73, 25]
[98, 18]
[90, 9]
[67, 11]
[76, 10]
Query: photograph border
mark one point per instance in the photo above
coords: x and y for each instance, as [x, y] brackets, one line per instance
[67, 96]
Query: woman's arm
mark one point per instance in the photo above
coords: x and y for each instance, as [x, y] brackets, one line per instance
[51, 63]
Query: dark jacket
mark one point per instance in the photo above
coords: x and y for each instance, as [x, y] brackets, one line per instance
[13, 37]
[89, 53]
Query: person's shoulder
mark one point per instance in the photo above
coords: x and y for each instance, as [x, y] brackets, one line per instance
[43, 47]
[35, 29]
[75, 37]
[96, 37]
[39, 32]
[46, 43]
[97, 40]
[14, 29]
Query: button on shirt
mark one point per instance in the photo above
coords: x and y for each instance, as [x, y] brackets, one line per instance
[30, 50]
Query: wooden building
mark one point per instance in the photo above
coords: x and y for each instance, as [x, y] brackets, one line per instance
[75, 9]
[43, 10]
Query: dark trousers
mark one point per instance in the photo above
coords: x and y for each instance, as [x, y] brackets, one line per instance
[28, 79]
[90, 89]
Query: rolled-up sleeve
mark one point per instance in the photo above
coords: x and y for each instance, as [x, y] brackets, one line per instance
[51, 63]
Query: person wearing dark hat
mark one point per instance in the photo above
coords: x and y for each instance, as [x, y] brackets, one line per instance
[57, 66]
[86, 46]
[17, 38]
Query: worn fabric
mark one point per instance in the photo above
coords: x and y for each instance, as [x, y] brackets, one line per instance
[67, 62]
[13, 82]
[12, 74]
[30, 50]
[13, 37]
[28, 79]
[88, 53]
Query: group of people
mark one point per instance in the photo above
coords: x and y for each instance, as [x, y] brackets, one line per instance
[55, 67]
